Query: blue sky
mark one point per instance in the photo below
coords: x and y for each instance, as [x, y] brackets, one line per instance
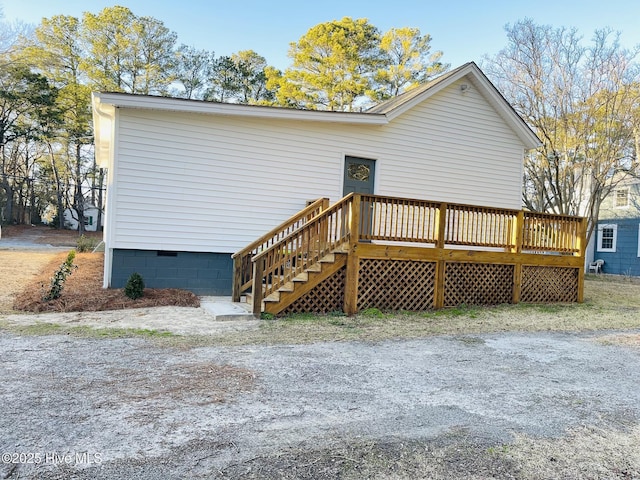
[464, 30]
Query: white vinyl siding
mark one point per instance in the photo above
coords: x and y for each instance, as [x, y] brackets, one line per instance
[453, 148]
[607, 237]
[212, 183]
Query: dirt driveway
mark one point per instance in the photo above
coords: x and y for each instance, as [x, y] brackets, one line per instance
[488, 406]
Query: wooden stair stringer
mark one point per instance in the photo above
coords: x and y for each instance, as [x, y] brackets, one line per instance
[302, 288]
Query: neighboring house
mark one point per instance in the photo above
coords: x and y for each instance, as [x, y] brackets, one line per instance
[91, 215]
[191, 182]
[617, 239]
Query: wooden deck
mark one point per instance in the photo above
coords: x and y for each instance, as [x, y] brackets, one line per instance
[406, 254]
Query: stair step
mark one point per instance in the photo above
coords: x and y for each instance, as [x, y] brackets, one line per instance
[287, 287]
[329, 258]
[300, 279]
[274, 297]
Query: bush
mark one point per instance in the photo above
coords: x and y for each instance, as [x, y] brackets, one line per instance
[57, 281]
[86, 244]
[135, 286]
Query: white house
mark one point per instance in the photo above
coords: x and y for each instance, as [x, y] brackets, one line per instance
[191, 182]
[91, 218]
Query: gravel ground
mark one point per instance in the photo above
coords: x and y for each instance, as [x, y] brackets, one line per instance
[443, 407]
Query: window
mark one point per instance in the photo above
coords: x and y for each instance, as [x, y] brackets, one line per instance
[607, 236]
[359, 171]
[621, 198]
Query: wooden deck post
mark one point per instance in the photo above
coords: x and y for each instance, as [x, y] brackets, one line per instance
[324, 230]
[353, 262]
[441, 224]
[518, 238]
[258, 272]
[237, 279]
[582, 249]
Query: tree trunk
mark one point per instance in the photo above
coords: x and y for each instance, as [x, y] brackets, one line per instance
[8, 208]
[59, 196]
[78, 197]
[100, 183]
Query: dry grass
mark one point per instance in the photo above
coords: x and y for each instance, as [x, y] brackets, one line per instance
[204, 382]
[17, 269]
[586, 452]
[83, 290]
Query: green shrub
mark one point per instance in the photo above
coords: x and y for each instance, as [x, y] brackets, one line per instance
[86, 244]
[372, 313]
[135, 286]
[57, 281]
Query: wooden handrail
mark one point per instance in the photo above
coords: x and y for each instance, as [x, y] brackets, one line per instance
[336, 206]
[319, 204]
[302, 249]
[242, 266]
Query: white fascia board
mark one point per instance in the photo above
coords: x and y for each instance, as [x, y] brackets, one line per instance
[168, 104]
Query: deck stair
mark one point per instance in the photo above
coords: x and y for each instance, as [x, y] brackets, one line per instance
[301, 284]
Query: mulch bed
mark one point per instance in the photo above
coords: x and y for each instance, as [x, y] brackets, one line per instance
[83, 291]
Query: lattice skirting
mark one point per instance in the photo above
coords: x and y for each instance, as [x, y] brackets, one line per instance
[549, 284]
[325, 297]
[396, 284]
[477, 284]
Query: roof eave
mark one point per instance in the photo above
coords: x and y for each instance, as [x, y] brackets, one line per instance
[167, 104]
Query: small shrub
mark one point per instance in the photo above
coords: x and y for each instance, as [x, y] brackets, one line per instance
[372, 313]
[59, 277]
[135, 286]
[86, 244]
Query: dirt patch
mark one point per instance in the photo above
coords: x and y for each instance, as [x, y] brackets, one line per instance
[83, 290]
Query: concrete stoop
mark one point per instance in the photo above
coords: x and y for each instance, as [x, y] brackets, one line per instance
[223, 308]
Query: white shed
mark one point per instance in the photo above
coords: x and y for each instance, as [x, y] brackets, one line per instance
[191, 182]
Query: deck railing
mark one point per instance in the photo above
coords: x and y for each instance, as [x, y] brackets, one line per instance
[301, 249]
[317, 231]
[242, 265]
[398, 219]
[552, 233]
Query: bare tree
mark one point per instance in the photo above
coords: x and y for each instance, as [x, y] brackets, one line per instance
[580, 102]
